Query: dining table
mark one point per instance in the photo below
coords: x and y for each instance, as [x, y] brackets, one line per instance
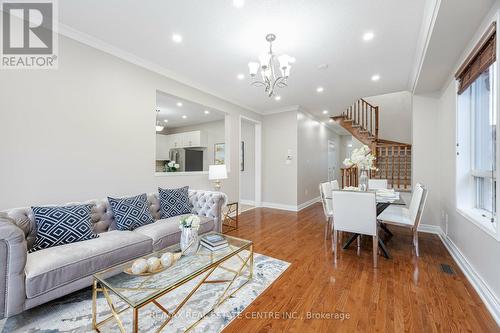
[383, 201]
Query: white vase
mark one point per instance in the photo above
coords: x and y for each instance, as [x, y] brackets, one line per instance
[363, 180]
[189, 241]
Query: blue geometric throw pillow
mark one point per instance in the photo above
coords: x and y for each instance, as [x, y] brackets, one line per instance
[174, 202]
[131, 213]
[62, 225]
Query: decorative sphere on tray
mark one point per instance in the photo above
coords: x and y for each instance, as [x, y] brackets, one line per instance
[154, 264]
[139, 266]
[167, 259]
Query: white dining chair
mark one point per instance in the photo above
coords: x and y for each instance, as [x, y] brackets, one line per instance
[325, 190]
[377, 184]
[355, 212]
[407, 217]
[335, 185]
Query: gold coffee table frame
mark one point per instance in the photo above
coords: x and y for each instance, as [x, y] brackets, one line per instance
[99, 285]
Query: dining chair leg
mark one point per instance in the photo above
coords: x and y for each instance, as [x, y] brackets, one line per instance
[358, 240]
[415, 242]
[326, 227]
[375, 251]
[334, 247]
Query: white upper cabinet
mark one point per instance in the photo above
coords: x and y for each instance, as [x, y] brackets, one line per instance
[175, 140]
[194, 139]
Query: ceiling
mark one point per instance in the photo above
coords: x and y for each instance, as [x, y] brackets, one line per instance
[186, 113]
[454, 27]
[219, 40]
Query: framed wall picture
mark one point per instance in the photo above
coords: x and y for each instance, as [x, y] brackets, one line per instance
[242, 156]
[220, 153]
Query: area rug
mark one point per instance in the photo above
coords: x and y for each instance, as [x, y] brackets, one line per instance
[73, 313]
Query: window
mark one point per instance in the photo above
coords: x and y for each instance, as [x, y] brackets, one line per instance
[476, 134]
[481, 106]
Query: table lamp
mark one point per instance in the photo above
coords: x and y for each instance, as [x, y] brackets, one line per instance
[216, 173]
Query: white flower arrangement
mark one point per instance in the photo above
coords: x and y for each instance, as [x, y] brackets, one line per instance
[190, 221]
[172, 166]
[361, 158]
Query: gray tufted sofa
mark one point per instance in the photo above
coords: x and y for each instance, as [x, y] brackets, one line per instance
[31, 279]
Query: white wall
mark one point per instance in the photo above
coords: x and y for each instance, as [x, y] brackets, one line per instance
[279, 179]
[426, 157]
[394, 115]
[480, 249]
[247, 176]
[312, 163]
[86, 130]
[434, 134]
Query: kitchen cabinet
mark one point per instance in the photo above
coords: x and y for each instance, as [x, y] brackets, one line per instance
[192, 139]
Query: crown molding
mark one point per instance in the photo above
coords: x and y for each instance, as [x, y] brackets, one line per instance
[283, 109]
[423, 45]
[103, 46]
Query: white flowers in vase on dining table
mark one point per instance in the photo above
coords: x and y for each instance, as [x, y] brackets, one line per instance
[361, 158]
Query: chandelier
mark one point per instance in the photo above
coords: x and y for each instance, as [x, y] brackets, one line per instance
[274, 69]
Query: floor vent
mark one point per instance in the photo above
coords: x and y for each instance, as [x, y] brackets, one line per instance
[445, 268]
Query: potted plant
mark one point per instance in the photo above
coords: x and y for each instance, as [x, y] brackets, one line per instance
[171, 166]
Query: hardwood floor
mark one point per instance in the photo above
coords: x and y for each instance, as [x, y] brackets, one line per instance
[404, 294]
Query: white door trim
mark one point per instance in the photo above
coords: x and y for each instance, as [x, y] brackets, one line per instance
[258, 159]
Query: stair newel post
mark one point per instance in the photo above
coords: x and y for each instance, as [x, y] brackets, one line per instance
[376, 123]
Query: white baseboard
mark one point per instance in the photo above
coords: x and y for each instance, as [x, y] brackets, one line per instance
[290, 208]
[308, 203]
[247, 202]
[430, 229]
[489, 298]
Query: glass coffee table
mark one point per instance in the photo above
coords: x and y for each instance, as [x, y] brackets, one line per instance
[139, 291]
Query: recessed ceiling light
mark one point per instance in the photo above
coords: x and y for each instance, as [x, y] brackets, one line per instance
[179, 104]
[206, 112]
[325, 111]
[277, 98]
[375, 77]
[331, 120]
[177, 38]
[165, 120]
[238, 3]
[240, 76]
[368, 36]
[320, 89]
[184, 117]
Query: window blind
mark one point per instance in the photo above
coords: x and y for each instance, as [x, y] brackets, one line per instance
[482, 56]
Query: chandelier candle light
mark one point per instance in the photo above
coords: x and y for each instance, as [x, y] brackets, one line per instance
[274, 69]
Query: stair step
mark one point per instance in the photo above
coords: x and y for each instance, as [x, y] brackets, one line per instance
[355, 125]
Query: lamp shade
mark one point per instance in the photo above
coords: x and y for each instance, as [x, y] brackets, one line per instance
[217, 172]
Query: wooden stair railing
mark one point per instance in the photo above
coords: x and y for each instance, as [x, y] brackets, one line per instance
[393, 158]
[394, 164]
[350, 176]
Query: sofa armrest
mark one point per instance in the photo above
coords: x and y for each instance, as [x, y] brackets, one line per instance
[209, 204]
[13, 255]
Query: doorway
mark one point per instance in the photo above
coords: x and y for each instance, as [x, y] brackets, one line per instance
[332, 161]
[250, 163]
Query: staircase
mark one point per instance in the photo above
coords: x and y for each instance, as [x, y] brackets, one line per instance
[393, 158]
